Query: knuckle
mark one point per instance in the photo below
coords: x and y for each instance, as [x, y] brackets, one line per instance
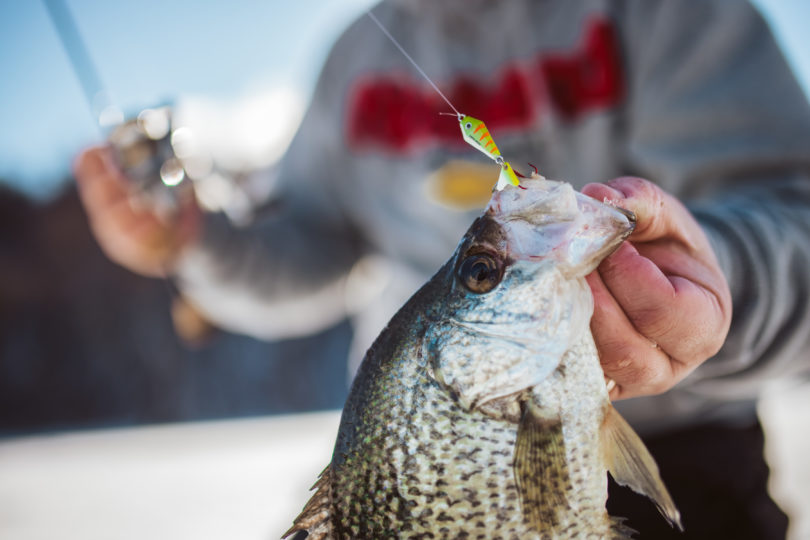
[652, 373]
[648, 369]
[659, 382]
[654, 322]
[634, 365]
[615, 355]
[707, 348]
[640, 369]
[700, 340]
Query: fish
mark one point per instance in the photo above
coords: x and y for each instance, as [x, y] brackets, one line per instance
[481, 410]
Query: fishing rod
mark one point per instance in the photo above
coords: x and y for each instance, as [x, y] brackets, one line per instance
[98, 100]
[142, 146]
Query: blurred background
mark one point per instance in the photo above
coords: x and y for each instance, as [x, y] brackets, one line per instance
[85, 344]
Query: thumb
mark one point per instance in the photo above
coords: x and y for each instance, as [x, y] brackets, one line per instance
[658, 214]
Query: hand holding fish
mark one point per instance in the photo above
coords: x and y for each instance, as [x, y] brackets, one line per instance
[481, 410]
[129, 233]
[662, 303]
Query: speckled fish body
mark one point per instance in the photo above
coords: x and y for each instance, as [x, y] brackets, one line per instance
[481, 410]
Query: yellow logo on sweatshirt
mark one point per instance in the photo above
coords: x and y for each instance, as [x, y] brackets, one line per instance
[463, 185]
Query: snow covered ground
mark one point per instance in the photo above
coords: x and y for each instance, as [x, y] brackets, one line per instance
[248, 478]
[785, 413]
[242, 479]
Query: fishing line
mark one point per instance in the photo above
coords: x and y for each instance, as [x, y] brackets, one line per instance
[469, 126]
[412, 61]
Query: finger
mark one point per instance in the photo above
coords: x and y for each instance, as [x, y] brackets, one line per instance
[87, 164]
[106, 194]
[636, 365]
[189, 222]
[648, 298]
[674, 261]
[99, 181]
[140, 245]
[658, 214]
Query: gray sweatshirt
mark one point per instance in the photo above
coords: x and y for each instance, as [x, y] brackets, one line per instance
[695, 97]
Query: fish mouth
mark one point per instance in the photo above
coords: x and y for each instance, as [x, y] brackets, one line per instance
[551, 220]
[631, 217]
[629, 227]
[625, 222]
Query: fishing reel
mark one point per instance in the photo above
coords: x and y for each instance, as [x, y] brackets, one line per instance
[150, 152]
[167, 161]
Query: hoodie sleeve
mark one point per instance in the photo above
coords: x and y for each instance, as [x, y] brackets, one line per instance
[284, 274]
[716, 117]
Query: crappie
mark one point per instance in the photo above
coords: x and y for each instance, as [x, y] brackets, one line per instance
[481, 410]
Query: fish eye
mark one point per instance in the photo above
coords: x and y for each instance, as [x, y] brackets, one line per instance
[468, 125]
[480, 273]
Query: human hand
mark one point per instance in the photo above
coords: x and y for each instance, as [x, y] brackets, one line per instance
[129, 233]
[662, 305]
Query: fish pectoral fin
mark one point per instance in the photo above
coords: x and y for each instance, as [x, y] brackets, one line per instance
[631, 464]
[541, 470]
[619, 530]
[315, 517]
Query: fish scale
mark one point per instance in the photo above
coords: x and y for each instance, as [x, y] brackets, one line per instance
[427, 443]
[481, 410]
[441, 444]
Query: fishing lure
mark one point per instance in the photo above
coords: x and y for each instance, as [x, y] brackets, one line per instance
[477, 135]
[473, 130]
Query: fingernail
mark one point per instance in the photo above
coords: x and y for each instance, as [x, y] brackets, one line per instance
[615, 194]
[626, 185]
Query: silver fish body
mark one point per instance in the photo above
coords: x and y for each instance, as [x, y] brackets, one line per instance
[481, 410]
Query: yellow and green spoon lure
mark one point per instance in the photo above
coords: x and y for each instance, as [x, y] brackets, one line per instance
[477, 135]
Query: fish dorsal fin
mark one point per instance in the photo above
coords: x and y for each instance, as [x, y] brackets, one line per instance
[631, 464]
[315, 517]
[541, 470]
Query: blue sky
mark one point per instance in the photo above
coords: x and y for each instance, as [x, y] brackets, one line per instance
[147, 52]
[151, 50]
